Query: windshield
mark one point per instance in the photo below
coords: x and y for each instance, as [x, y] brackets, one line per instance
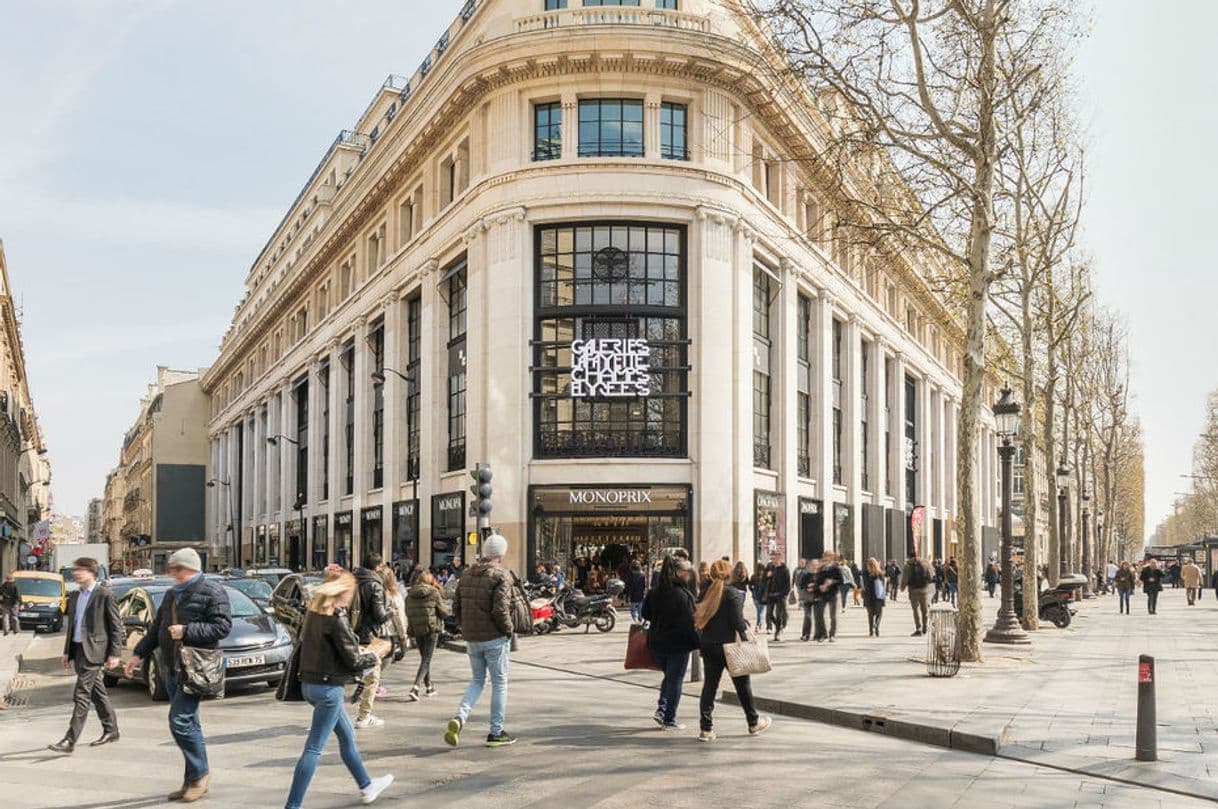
[240, 605]
[39, 587]
[254, 588]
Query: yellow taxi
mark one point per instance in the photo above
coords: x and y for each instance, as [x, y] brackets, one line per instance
[44, 599]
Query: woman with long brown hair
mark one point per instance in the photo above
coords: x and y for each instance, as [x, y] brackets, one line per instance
[330, 656]
[720, 618]
[874, 595]
[425, 613]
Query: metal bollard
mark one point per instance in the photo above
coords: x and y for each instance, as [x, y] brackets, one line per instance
[1147, 745]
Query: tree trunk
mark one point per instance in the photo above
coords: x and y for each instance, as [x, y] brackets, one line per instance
[1031, 607]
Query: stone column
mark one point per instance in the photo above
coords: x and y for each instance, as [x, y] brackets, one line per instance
[570, 126]
[361, 462]
[785, 369]
[651, 127]
[875, 420]
[745, 544]
[394, 415]
[433, 435]
[925, 447]
[852, 451]
[897, 383]
[823, 388]
[719, 470]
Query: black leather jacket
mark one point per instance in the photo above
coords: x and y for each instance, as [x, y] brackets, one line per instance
[329, 651]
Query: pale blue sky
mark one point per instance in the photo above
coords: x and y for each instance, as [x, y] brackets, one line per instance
[148, 147]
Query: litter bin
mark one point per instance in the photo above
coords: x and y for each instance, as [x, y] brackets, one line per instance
[942, 642]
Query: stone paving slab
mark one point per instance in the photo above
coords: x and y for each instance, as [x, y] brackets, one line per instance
[1067, 700]
[12, 647]
[584, 743]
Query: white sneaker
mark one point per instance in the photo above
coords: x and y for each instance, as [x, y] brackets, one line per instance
[373, 791]
[370, 721]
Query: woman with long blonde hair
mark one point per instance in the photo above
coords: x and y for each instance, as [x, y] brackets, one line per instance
[719, 617]
[330, 656]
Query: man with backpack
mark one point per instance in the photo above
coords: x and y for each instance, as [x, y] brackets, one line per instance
[918, 577]
[490, 606]
[374, 614]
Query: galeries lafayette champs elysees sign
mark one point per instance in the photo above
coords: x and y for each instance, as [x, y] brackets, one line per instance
[610, 366]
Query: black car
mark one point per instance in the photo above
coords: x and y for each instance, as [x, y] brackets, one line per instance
[255, 650]
[290, 599]
[257, 588]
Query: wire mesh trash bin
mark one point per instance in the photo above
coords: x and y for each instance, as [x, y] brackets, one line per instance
[942, 642]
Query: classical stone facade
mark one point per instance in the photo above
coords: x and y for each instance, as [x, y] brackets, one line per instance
[572, 246]
[25, 471]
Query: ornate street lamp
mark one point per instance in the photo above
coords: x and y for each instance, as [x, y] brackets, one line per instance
[1063, 489]
[1006, 628]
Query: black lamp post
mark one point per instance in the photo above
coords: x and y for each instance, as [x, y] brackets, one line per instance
[1100, 551]
[1063, 488]
[1006, 628]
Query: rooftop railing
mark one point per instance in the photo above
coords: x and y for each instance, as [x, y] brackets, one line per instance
[573, 17]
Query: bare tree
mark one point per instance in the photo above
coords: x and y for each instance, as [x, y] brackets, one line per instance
[919, 96]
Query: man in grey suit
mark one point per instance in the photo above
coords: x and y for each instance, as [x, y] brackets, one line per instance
[94, 637]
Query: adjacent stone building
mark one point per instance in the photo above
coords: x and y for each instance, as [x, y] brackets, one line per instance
[572, 245]
[25, 470]
[162, 475]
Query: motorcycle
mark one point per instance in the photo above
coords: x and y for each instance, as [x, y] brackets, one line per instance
[1055, 603]
[572, 609]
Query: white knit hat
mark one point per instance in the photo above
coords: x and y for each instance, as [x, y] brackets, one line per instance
[186, 558]
[495, 547]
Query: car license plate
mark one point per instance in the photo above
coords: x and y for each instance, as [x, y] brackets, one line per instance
[246, 660]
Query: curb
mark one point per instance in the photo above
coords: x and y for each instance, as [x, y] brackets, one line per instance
[896, 728]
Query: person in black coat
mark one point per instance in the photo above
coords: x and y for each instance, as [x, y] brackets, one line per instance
[669, 609]
[874, 595]
[777, 588]
[720, 620]
[373, 614]
[330, 656]
[825, 587]
[195, 612]
[94, 639]
[636, 591]
[1152, 584]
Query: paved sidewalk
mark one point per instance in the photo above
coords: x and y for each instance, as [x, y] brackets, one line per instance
[11, 649]
[1068, 700]
[584, 743]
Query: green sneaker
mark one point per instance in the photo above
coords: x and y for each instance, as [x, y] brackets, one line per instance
[500, 739]
[453, 734]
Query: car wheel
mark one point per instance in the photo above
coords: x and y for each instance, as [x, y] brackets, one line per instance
[606, 622]
[154, 681]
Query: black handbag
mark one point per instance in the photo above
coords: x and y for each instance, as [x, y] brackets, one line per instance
[289, 689]
[200, 672]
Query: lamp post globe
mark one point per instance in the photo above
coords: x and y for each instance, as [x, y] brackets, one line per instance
[1006, 628]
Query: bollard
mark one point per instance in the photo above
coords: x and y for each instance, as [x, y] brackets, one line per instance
[1147, 745]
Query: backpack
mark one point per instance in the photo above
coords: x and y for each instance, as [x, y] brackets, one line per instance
[917, 576]
[522, 613]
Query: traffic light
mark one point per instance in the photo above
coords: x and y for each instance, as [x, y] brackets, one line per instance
[481, 490]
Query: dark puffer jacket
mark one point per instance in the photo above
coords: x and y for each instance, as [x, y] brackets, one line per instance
[329, 650]
[202, 608]
[373, 611]
[670, 611]
[483, 604]
[727, 624]
[425, 610]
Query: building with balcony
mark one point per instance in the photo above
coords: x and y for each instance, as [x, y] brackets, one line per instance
[155, 498]
[572, 245]
[25, 470]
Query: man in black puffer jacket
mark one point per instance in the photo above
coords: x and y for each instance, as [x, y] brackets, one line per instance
[195, 613]
[373, 614]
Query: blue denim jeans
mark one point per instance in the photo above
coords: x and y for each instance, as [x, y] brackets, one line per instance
[673, 665]
[636, 612]
[487, 656]
[760, 605]
[328, 715]
[186, 730]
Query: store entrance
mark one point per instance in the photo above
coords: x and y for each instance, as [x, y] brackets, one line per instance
[593, 534]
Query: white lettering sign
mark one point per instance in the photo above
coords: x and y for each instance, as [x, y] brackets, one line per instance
[610, 367]
[590, 497]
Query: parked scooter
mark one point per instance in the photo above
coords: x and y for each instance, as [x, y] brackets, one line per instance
[572, 609]
[1055, 603]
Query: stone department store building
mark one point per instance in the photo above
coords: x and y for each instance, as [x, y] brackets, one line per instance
[569, 246]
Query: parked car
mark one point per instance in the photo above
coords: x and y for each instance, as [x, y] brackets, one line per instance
[121, 584]
[257, 588]
[290, 599]
[255, 650]
[44, 600]
[273, 575]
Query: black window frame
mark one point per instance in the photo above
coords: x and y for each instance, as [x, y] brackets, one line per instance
[349, 421]
[650, 300]
[323, 379]
[301, 392]
[762, 379]
[458, 326]
[669, 128]
[555, 5]
[414, 331]
[608, 147]
[376, 350]
[548, 147]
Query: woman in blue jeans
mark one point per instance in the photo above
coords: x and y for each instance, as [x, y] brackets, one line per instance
[669, 609]
[330, 656]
